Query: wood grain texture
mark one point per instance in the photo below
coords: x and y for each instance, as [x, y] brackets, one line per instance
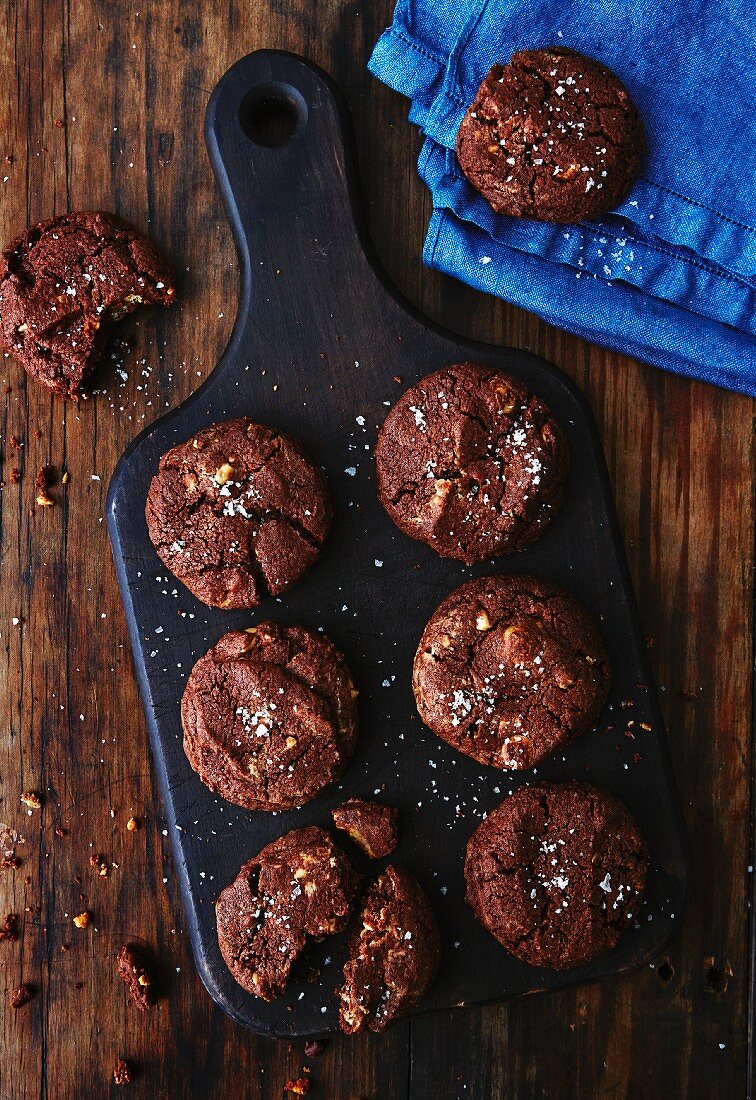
[102, 104]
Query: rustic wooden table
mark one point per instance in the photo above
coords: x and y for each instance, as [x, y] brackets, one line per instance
[101, 105]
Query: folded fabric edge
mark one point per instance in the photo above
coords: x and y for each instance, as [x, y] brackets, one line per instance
[666, 336]
[611, 252]
[408, 68]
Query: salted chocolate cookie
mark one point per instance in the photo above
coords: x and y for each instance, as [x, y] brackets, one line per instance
[552, 135]
[509, 669]
[299, 889]
[393, 956]
[238, 513]
[556, 873]
[269, 716]
[471, 462]
[372, 825]
[62, 285]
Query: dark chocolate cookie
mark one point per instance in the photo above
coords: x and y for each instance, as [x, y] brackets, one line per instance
[393, 956]
[552, 135]
[237, 513]
[269, 716]
[372, 825]
[556, 872]
[298, 889]
[471, 462]
[508, 669]
[64, 282]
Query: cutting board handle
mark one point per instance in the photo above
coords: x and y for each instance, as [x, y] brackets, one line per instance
[279, 138]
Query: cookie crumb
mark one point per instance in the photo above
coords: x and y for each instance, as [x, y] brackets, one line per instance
[83, 919]
[22, 995]
[101, 863]
[136, 972]
[43, 483]
[9, 928]
[122, 1072]
[132, 824]
[32, 799]
[299, 1087]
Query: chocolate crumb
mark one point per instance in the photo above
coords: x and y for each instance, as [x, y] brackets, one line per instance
[21, 996]
[314, 1048]
[9, 929]
[135, 970]
[43, 482]
[122, 1072]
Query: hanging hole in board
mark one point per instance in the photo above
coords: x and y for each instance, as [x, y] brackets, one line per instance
[271, 114]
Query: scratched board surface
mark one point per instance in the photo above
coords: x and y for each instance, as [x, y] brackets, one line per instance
[321, 348]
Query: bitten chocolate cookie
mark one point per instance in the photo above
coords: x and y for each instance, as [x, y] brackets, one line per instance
[552, 135]
[508, 669]
[370, 824]
[393, 956]
[556, 873]
[62, 285]
[298, 889]
[471, 462]
[237, 513]
[269, 716]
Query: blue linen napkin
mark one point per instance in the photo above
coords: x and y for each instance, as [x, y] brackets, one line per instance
[670, 275]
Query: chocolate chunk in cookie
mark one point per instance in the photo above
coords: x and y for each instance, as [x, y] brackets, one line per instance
[393, 956]
[298, 889]
[552, 135]
[270, 716]
[370, 824]
[62, 285]
[509, 669]
[471, 462]
[556, 873]
[238, 513]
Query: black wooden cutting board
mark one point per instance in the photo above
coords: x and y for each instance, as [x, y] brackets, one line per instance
[321, 347]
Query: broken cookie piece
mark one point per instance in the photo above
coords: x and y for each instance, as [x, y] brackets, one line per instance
[136, 971]
[393, 956]
[62, 285]
[370, 824]
[298, 889]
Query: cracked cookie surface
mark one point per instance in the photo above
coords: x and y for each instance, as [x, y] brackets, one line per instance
[298, 889]
[553, 136]
[238, 512]
[471, 462]
[556, 873]
[269, 716]
[509, 669]
[393, 956]
[64, 282]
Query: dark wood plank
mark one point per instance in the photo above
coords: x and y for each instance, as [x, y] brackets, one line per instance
[681, 459]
